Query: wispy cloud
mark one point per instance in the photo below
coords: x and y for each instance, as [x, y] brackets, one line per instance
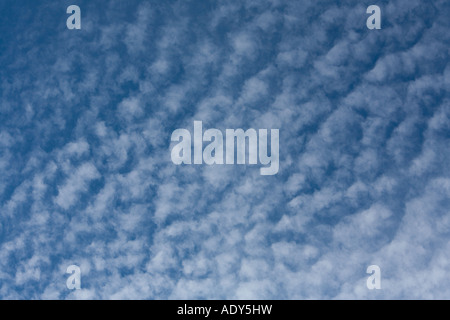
[85, 123]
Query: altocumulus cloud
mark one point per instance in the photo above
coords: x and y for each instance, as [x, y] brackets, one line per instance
[86, 177]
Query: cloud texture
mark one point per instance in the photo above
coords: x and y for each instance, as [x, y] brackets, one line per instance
[86, 177]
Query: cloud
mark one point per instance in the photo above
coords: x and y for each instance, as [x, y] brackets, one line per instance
[77, 183]
[85, 124]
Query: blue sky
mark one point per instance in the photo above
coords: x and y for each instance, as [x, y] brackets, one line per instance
[86, 118]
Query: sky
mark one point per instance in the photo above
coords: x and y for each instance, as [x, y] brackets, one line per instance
[86, 118]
